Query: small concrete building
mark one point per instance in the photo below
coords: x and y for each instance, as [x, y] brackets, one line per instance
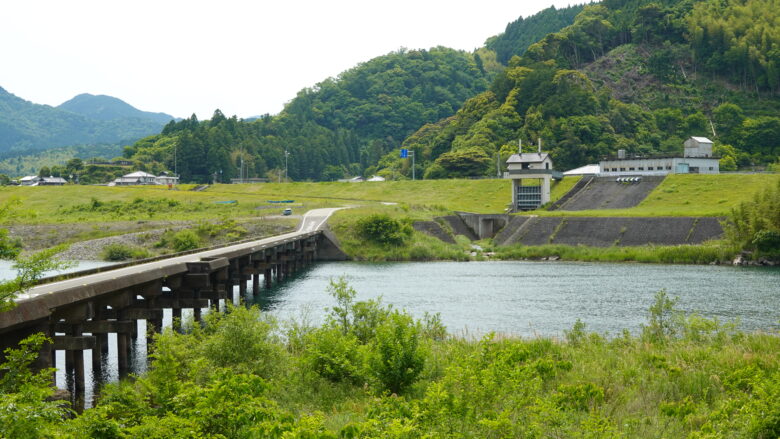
[697, 158]
[535, 166]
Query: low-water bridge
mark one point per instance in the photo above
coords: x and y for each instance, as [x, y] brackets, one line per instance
[79, 313]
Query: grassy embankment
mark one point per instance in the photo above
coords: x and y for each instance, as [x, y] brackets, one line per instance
[375, 373]
[678, 195]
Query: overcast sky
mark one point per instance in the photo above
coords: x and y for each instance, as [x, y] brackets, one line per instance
[243, 57]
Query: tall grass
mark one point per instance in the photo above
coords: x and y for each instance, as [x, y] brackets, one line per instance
[674, 254]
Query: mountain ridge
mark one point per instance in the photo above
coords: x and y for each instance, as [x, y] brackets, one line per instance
[26, 127]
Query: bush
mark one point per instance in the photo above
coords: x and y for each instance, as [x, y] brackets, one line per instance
[334, 355]
[184, 240]
[382, 229]
[123, 252]
[397, 358]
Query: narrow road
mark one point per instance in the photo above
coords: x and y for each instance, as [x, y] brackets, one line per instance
[315, 219]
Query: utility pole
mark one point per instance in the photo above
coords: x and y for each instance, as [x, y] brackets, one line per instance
[412, 153]
[286, 154]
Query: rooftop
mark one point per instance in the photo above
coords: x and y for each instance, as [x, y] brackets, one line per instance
[528, 157]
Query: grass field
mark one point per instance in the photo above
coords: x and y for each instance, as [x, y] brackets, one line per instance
[677, 195]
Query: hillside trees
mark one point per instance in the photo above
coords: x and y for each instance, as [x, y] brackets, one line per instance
[557, 93]
[348, 122]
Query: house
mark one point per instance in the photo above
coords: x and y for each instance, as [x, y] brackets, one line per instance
[536, 166]
[30, 180]
[135, 178]
[52, 181]
[697, 158]
[166, 180]
[34, 180]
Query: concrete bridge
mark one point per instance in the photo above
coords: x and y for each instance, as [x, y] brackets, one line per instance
[80, 312]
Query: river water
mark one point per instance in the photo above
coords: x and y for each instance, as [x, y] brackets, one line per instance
[539, 298]
[518, 298]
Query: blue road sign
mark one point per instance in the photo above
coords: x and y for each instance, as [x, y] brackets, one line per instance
[404, 153]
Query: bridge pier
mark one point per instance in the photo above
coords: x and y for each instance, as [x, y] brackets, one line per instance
[85, 311]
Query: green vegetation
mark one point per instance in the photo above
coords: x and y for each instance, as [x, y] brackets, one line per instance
[25, 127]
[630, 75]
[523, 32]
[374, 372]
[657, 254]
[123, 252]
[755, 225]
[341, 127]
[383, 230]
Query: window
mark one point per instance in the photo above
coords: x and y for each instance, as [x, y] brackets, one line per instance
[668, 167]
[641, 168]
[614, 169]
[649, 168]
[622, 169]
[710, 168]
[630, 169]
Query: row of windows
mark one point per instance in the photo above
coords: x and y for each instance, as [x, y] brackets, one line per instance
[642, 168]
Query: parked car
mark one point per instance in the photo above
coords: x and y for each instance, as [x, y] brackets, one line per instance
[287, 211]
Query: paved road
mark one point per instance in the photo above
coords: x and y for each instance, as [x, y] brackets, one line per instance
[315, 219]
[312, 221]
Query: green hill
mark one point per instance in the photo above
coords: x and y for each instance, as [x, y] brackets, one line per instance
[102, 107]
[26, 127]
[627, 74]
[342, 126]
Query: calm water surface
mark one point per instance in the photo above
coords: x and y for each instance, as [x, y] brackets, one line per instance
[539, 298]
[522, 298]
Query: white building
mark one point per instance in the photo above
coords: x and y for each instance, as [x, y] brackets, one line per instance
[697, 158]
[34, 180]
[531, 166]
[144, 178]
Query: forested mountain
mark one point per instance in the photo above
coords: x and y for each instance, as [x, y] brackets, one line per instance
[102, 107]
[523, 32]
[26, 127]
[638, 75]
[342, 126]
[627, 74]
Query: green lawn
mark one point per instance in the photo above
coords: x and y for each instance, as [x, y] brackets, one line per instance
[677, 195]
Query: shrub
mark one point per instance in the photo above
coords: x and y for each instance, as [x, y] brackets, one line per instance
[382, 229]
[397, 358]
[184, 240]
[123, 252]
[334, 355]
[9, 247]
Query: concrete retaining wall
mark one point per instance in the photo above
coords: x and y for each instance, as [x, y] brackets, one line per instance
[605, 232]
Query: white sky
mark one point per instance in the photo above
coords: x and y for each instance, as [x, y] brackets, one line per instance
[243, 57]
